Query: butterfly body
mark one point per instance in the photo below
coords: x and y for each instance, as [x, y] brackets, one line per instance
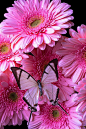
[40, 87]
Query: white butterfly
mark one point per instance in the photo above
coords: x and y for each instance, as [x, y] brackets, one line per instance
[37, 88]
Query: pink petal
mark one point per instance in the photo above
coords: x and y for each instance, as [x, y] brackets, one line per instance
[49, 30]
[56, 27]
[20, 115]
[66, 60]
[35, 44]
[3, 118]
[71, 69]
[26, 41]
[76, 121]
[42, 46]
[26, 114]
[39, 40]
[4, 65]
[73, 34]
[73, 126]
[77, 75]
[44, 4]
[15, 119]
[46, 39]
[18, 58]
[36, 3]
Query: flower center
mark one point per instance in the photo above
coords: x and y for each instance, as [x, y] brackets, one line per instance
[4, 48]
[13, 96]
[84, 55]
[55, 113]
[35, 23]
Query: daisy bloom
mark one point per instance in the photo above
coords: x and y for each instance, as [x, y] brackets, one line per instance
[81, 97]
[8, 58]
[73, 61]
[36, 23]
[36, 64]
[53, 117]
[65, 86]
[13, 109]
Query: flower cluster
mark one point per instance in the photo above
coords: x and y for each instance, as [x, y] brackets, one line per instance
[30, 37]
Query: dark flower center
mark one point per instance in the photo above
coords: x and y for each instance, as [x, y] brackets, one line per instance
[55, 113]
[13, 96]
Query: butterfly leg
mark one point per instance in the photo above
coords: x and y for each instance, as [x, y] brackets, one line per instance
[29, 118]
[62, 108]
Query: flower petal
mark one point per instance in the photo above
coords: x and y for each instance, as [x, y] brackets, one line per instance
[47, 39]
[49, 30]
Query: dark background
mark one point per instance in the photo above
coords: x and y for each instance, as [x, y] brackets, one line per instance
[79, 13]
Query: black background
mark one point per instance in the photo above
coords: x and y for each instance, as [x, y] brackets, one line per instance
[79, 13]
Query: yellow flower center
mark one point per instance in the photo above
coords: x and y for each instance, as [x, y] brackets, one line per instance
[36, 23]
[55, 113]
[4, 48]
[13, 96]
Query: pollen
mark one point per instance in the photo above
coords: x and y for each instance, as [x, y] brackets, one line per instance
[13, 96]
[36, 23]
[55, 113]
[4, 48]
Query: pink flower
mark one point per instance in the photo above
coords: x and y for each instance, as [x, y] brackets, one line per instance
[53, 117]
[73, 62]
[8, 58]
[65, 86]
[81, 97]
[35, 66]
[13, 109]
[36, 23]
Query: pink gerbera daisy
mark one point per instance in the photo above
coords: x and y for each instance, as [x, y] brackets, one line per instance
[53, 117]
[36, 64]
[36, 23]
[8, 58]
[13, 109]
[74, 54]
[81, 97]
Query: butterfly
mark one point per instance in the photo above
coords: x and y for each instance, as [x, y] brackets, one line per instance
[37, 88]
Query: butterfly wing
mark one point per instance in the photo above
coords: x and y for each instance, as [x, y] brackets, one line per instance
[26, 81]
[50, 91]
[23, 79]
[50, 75]
[31, 96]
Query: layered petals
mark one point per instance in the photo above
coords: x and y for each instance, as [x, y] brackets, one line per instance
[73, 52]
[36, 18]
